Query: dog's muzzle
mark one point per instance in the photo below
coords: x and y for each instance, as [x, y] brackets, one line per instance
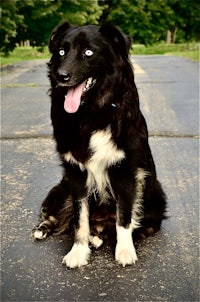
[75, 94]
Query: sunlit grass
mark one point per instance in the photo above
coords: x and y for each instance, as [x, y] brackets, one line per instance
[192, 55]
[187, 50]
[23, 54]
[19, 85]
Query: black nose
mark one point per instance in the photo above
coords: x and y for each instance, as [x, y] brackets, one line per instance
[63, 76]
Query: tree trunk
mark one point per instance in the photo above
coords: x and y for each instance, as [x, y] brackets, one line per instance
[174, 34]
[169, 37]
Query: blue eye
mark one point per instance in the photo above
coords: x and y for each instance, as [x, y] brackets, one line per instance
[61, 52]
[88, 52]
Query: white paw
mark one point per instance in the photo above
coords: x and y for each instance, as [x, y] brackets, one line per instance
[125, 256]
[95, 241]
[77, 257]
[38, 235]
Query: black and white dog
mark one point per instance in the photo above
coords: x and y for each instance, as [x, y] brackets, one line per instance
[102, 139]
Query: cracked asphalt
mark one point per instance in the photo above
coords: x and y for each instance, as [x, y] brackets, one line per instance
[168, 265]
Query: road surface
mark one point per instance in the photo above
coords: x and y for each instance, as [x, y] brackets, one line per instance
[167, 269]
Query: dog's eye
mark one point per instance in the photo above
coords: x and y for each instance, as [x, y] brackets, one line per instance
[88, 52]
[61, 52]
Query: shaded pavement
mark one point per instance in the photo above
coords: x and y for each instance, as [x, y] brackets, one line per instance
[167, 269]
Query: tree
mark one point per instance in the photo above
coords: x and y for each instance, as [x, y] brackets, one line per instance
[184, 23]
[33, 20]
[144, 20]
[81, 12]
[148, 21]
[10, 20]
[39, 19]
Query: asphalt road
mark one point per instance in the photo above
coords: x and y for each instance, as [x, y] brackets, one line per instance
[168, 268]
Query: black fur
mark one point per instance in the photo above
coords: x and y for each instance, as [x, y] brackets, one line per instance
[111, 103]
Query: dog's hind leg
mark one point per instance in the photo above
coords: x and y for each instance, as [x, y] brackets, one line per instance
[42, 230]
[56, 212]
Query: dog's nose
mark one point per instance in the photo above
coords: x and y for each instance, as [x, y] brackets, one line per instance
[63, 76]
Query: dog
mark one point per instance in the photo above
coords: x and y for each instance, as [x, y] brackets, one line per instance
[109, 175]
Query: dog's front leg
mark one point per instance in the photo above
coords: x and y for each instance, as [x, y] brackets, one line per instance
[80, 251]
[128, 191]
[125, 251]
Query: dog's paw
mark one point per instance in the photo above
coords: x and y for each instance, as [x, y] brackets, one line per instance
[95, 241]
[77, 257]
[125, 256]
[39, 233]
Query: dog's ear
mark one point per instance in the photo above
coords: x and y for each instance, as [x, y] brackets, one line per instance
[59, 31]
[117, 38]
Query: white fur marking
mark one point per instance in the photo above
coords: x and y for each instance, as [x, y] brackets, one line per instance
[125, 251]
[104, 154]
[80, 251]
[39, 235]
[78, 256]
[100, 228]
[70, 158]
[83, 232]
[137, 211]
[95, 241]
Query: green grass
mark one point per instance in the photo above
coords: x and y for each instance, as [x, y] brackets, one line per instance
[187, 50]
[23, 54]
[192, 55]
[19, 85]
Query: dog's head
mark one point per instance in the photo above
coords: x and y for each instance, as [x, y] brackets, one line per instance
[83, 57]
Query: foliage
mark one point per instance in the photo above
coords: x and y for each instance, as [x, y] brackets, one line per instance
[81, 12]
[146, 21]
[10, 20]
[33, 20]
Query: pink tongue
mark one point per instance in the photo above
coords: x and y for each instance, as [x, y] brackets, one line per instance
[73, 98]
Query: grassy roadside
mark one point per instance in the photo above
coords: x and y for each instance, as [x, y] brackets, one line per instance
[186, 50]
[190, 51]
[191, 55]
[23, 54]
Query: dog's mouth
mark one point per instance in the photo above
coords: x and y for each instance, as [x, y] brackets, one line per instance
[76, 93]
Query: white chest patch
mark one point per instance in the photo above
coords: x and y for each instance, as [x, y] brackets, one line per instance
[104, 153]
